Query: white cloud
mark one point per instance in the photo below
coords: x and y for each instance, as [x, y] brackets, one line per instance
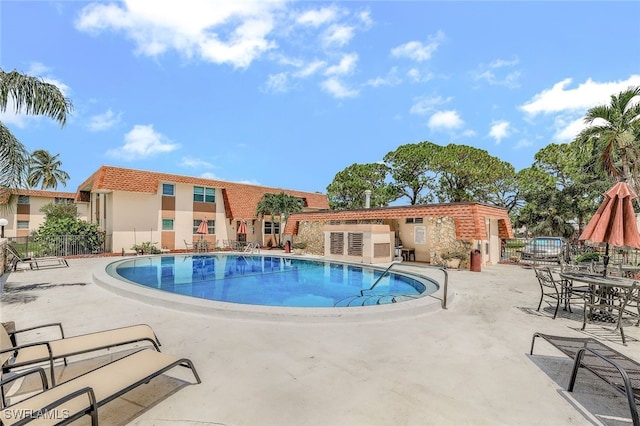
[310, 68]
[424, 105]
[365, 18]
[337, 89]
[418, 76]
[496, 75]
[499, 130]
[104, 121]
[210, 175]
[346, 65]
[568, 106]
[277, 83]
[141, 142]
[418, 51]
[468, 133]
[523, 143]
[194, 163]
[337, 35]
[445, 120]
[391, 79]
[318, 17]
[568, 129]
[587, 95]
[234, 33]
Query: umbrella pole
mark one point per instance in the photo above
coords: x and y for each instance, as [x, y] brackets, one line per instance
[605, 260]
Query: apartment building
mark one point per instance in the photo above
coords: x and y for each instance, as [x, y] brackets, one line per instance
[24, 215]
[136, 206]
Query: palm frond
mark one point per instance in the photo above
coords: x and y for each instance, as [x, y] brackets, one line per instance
[33, 96]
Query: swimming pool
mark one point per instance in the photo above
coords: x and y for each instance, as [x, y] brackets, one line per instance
[271, 280]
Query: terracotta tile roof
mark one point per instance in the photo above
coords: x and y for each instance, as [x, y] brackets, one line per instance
[36, 193]
[240, 199]
[469, 217]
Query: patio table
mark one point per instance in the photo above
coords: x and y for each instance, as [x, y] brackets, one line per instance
[607, 295]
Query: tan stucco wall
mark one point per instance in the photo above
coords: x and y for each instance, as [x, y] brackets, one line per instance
[371, 234]
[132, 219]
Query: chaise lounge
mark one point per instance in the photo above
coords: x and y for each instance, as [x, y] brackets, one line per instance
[83, 395]
[36, 262]
[14, 355]
[613, 367]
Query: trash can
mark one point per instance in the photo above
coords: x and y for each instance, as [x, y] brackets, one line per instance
[476, 261]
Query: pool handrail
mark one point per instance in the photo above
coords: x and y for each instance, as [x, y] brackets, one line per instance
[444, 271]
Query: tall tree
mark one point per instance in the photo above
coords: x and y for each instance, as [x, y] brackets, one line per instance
[29, 95]
[561, 191]
[44, 169]
[613, 136]
[347, 191]
[466, 173]
[411, 171]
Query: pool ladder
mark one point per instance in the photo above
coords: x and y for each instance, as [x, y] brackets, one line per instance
[369, 297]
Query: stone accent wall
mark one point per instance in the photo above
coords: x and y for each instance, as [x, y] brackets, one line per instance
[3, 256]
[442, 232]
[311, 233]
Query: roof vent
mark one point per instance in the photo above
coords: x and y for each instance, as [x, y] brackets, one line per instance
[367, 199]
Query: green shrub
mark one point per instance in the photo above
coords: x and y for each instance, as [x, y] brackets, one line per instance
[587, 257]
[514, 244]
[454, 255]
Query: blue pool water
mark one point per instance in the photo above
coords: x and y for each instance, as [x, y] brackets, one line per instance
[271, 280]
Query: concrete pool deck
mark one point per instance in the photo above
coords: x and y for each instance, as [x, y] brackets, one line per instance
[467, 365]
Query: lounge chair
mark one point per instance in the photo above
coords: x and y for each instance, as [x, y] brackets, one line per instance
[613, 367]
[83, 394]
[36, 262]
[15, 355]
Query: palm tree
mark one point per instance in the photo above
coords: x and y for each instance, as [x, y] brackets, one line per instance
[281, 205]
[44, 169]
[32, 96]
[614, 135]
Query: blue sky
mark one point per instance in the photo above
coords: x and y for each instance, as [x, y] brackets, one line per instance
[287, 94]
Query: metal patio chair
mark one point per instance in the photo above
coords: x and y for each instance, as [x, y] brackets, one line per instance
[558, 289]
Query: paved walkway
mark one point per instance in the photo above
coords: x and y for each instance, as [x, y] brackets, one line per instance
[467, 365]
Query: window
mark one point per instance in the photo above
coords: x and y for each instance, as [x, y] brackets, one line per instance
[202, 194]
[211, 226]
[167, 224]
[414, 220]
[272, 228]
[168, 189]
[22, 224]
[23, 199]
[60, 200]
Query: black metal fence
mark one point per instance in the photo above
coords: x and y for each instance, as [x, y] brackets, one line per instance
[535, 251]
[62, 245]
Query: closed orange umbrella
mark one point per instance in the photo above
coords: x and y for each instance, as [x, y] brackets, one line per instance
[203, 228]
[615, 221]
[242, 229]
